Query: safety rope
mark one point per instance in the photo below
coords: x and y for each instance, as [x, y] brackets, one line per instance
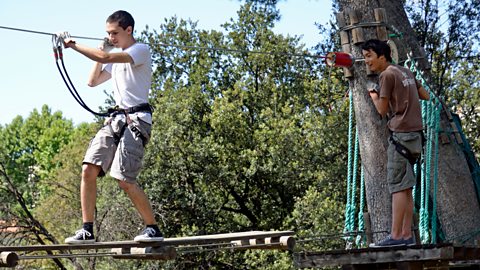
[431, 118]
[353, 184]
[57, 42]
[349, 219]
[436, 128]
[361, 225]
[352, 171]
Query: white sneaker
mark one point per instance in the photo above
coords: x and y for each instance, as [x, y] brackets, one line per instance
[149, 235]
[81, 236]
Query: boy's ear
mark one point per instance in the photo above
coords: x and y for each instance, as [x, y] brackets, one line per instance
[129, 29]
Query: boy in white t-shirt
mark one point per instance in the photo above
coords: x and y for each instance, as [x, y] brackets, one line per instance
[119, 145]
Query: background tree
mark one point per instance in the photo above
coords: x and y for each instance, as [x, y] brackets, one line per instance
[239, 136]
[27, 149]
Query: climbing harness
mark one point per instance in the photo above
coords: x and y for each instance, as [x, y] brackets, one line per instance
[402, 150]
[57, 41]
[144, 107]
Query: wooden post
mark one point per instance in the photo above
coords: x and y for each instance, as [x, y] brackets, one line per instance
[416, 231]
[381, 17]
[368, 228]
[357, 32]
[8, 259]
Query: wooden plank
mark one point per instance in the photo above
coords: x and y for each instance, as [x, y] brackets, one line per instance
[226, 237]
[189, 240]
[374, 256]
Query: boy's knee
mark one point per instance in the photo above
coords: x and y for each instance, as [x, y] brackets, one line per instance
[90, 172]
[126, 186]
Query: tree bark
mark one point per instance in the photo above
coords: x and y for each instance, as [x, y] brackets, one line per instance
[457, 205]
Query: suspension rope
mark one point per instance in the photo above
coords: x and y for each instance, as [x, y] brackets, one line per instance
[436, 128]
[349, 220]
[352, 171]
[361, 225]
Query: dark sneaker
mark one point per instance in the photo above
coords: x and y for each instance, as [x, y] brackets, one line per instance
[149, 235]
[409, 242]
[389, 242]
[81, 236]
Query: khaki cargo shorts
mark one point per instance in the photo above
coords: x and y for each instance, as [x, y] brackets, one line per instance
[400, 175]
[125, 159]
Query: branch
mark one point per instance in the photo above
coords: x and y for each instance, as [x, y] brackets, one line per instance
[36, 227]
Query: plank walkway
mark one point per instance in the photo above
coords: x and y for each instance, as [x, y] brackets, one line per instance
[412, 257]
[154, 250]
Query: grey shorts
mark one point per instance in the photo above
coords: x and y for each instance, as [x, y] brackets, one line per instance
[125, 159]
[400, 175]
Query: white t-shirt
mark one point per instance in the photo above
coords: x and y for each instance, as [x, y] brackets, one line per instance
[131, 82]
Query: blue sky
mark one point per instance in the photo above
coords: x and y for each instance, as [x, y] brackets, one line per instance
[29, 76]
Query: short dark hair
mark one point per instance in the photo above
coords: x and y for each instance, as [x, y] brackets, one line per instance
[123, 18]
[379, 47]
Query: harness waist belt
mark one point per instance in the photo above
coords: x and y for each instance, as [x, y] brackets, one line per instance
[143, 107]
[402, 150]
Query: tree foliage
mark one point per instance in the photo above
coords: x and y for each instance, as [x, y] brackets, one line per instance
[239, 136]
[449, 32]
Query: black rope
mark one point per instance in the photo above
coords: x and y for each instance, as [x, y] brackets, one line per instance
[71, 88]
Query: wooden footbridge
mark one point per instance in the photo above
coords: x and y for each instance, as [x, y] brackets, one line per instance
[165, 250]
[431, 256]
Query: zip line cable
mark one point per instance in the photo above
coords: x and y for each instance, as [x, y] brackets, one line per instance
[43, 33]
[180, 46]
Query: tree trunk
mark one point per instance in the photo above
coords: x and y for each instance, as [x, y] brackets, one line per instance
[457, 205]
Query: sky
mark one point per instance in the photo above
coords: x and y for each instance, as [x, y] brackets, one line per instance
[29, 77]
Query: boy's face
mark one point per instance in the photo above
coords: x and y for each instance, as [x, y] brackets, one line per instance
[375, 63]
[118, 36]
